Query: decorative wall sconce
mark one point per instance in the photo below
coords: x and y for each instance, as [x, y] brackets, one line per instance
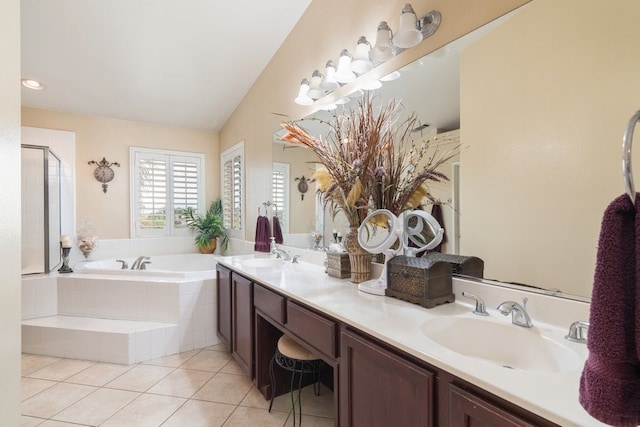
[103, 173]
[303, 186]
[411, 31]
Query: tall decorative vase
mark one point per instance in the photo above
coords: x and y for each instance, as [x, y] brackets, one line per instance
[359, 259]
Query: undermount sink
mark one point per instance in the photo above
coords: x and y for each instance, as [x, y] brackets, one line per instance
[504, 344]
[263, 262]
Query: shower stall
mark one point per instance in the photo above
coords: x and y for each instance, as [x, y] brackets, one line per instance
[41, 209]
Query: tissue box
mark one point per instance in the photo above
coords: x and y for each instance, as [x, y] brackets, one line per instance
[338, 265]
[420, 281]
[467, 265]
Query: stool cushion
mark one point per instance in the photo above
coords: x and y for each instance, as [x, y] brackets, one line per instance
[288, 347]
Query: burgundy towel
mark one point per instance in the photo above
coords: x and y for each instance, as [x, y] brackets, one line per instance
[277, 231]
[262, 235]
[610, 381]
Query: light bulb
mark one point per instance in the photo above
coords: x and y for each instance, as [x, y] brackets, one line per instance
[361, 62]
[408, 34]
[315, 92]
[382, 49]
[303, 98]
[372, 85]
[344, 73]
[330, 83]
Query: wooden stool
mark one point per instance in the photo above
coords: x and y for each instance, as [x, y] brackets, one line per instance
[292, 357]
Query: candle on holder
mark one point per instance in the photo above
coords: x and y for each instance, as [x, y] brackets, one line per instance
[65, 241]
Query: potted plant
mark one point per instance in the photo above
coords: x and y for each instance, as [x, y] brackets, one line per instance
[208, 227]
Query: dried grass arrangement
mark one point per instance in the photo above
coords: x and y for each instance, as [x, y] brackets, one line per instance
[371, 161]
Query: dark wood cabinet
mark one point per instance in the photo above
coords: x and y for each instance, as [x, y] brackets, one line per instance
[242, 322]
[469, 410]
[223, 313]
[374, 383]
[380, 388]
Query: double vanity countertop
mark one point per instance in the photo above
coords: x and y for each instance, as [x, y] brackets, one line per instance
[528, 381]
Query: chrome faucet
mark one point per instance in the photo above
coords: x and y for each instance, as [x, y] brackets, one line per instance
[295, 259]
[280, 253]
[576, 332]
[138, 262]
[481, 309]
[519, 315]
[124, 264]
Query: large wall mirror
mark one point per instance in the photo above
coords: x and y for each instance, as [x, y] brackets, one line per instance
[541, 98]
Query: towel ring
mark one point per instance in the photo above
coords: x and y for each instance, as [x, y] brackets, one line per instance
[627, 139]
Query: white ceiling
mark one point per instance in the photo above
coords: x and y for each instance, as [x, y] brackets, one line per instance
[183, 63]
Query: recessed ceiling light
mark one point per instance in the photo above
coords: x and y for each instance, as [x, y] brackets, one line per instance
[32, 84]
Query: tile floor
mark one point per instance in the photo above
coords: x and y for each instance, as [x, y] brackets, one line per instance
[197, 388]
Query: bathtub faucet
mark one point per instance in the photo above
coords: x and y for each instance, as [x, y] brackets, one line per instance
[137, 264]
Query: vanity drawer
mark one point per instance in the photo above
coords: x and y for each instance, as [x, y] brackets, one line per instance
[270, 303]
[317, 330]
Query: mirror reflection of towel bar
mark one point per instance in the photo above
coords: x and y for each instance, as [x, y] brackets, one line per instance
[627, 139]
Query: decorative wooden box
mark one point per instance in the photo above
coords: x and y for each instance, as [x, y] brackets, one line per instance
[460, 264]
[338, 265]
[420, 281]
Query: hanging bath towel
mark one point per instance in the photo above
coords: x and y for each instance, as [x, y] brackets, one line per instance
[277, 231]
[610, 381]
[262, 234]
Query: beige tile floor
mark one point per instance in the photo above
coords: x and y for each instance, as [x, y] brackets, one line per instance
[197, 388]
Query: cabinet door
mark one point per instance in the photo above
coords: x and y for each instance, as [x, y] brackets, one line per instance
[242, 323]
[380, 388]
[223, 294]
[466, 409]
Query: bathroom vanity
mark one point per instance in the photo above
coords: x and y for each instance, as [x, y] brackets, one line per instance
[388, 366]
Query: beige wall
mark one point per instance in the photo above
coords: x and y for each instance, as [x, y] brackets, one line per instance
[98, 137]
[10, 213]
[544, 157]
[327, 27]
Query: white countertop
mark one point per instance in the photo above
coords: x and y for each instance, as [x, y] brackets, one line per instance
[551, 395]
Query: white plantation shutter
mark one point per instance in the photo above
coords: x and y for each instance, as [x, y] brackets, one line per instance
[186, 175]
[164, 184]
[280, 197]
[233, 189]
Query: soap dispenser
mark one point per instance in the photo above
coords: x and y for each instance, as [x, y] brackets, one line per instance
[272, 246]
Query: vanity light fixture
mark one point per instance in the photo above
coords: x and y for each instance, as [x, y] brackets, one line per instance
[344, 73]
[408, 34]
[361, 62]
[330, 83]
[382, 50]
[32, 84]
[315, 92]
[303, 97]
[411, 32]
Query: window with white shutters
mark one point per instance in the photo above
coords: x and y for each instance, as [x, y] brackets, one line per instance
[233, 189]
[163, 185]
[280, 197]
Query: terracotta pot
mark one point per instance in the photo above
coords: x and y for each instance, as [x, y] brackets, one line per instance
[210, 248]
[359, 259]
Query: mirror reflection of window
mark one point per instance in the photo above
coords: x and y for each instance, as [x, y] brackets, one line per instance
[232, 168]
[280, 197]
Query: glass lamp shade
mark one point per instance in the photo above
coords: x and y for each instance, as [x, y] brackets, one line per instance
[372, 85]
[343, 100]
[330, 83]
[382, 49]
[344, 73]
[391, 76]
[303, 98]
[315, 92]
[361, 62]
[408, 34]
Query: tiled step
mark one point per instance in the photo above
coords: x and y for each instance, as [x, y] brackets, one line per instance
[102, 340]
